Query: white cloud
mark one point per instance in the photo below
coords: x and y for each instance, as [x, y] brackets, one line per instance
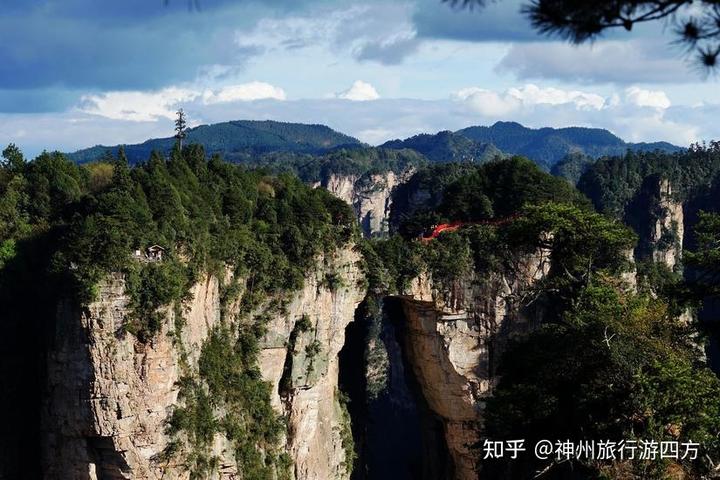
[137, 106]
[152, 106]
[490, 103]
[244, 93]
[646, 125]
[638, 115]
[375, 136]
[647, 98]
[533, 95]
[359, 92]
[487, 102]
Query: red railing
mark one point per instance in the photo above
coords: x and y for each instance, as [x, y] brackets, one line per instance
[453, 226]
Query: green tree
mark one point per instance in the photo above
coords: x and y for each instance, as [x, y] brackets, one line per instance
[14, 218]
[13, 159]
[618, 366]
[703, 276]
[180, 127]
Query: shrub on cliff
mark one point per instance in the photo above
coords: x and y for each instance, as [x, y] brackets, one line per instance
[64, 227]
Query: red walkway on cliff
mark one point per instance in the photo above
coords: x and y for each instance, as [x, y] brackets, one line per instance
[453, 226]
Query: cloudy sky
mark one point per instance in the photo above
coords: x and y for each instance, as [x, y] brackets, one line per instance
[75, 73]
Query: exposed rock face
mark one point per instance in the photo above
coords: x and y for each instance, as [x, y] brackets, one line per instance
[396, 435]
[455, 336]
[658, 218]
[668, 233]
[301, 362]
[342, 186]
[369, 195]
[629, 276]
[109, 396]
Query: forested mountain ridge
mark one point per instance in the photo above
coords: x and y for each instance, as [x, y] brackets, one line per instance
[547, 146]
[446, 146]
[364, 175]
[236, 141]
[611, 182]
[252, 142]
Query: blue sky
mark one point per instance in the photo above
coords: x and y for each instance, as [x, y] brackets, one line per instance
[75, 73]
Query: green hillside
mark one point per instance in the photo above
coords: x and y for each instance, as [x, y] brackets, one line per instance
[445, 147]
[235, 141]
[547, 146]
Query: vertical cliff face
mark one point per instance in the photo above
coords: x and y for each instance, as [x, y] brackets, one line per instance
[108, 396]
[658, 217]
[454, 336]
[369, 195]
[342, 186]
[668, 232]
[299, 357]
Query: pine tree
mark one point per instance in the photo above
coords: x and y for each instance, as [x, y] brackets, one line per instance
[180, 126]
[12, 159]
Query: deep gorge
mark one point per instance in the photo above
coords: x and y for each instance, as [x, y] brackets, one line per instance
[396, 434]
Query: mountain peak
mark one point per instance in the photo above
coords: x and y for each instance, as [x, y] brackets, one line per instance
[237, 139]
[446, 146]
[547, 146]
[508, 124]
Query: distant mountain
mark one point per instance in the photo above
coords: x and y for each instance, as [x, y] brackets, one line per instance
[446, 146]
[237, 140]
[653, 146]
[547, 146]
[247, 140]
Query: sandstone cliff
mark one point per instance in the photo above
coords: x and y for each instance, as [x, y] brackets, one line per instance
[454, 337]
[109, 397]
[370, 196]
[658, 217]
[299, 357]
[667, 233]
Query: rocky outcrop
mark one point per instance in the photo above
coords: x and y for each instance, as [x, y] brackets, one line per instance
[342, 186]
[299, 357]
[454, 337]
[667, 234]
[629, 275]
[658, 218]
[109, 396]
[370, 196]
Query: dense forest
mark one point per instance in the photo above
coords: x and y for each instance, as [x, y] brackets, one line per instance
[237, 141]
[446, 147]
[359, 162]
[611, 182]
[65, 227]
[608, 361]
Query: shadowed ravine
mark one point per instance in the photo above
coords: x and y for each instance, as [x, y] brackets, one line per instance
[396, 436]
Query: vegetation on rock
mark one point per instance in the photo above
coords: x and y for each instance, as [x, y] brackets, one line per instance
[67, 227]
